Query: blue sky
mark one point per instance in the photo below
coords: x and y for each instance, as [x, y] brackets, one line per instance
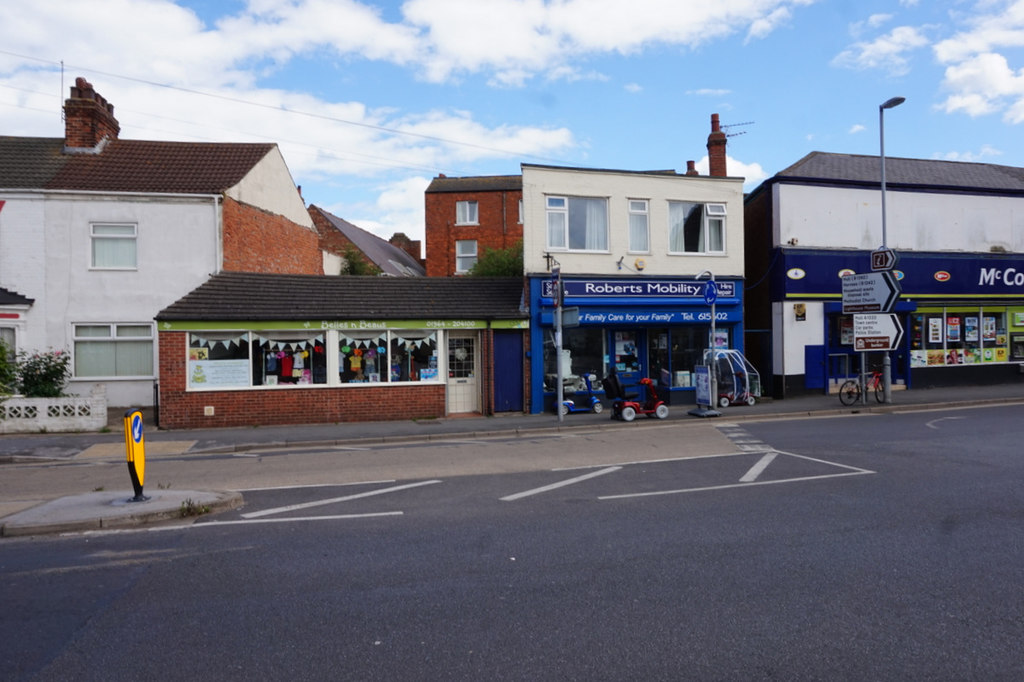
[369, 100]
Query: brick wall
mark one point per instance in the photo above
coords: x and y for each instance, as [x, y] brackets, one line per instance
[180, 409]
[499, 228]
[331, 239]
[258, 241]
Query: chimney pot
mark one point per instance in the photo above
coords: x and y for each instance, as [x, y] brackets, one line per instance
[88, 118]
[716, 150]
[691, 168]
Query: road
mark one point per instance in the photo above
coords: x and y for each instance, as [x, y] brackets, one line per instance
[864, 547]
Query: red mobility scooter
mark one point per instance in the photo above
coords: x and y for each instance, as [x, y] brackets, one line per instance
[627, 407]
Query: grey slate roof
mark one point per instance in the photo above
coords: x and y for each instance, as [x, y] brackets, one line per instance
[8, 297]
[384, 254]
[127, 165]
[922, 173]
[484, 183]
[249, 296]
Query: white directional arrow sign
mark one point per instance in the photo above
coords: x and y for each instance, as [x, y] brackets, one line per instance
[871, 292]
[876, 332]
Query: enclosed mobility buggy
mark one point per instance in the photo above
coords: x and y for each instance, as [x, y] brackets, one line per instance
[738, 381]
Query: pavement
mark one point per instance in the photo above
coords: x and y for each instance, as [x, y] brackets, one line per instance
[101, 509]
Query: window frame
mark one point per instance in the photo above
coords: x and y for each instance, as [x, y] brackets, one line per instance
[113, 338]
[645, 213]
[467, 212]
[96, 238]
[460, 258]
[712, 228]
[561, 206]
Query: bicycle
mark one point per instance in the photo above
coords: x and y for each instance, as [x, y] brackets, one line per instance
[849, 392]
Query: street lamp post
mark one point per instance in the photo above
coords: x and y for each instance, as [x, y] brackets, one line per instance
[887, 104]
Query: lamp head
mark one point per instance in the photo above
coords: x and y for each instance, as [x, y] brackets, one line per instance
[893, 102]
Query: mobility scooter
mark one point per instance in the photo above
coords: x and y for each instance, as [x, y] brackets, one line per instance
[627, 407]
[590, 403]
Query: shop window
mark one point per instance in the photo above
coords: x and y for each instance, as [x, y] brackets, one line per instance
[584, 351]
[362, 357]
[288, 358]
[696, 228]
[218, 360]
[113, 350]
[958, 336]
[577, 223]
[413, 355]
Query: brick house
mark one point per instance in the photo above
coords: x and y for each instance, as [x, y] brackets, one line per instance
[340, 240]
[467, 216]
[99, 233]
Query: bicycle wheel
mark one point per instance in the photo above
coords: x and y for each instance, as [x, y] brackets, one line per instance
[879, 391]
[849, 392]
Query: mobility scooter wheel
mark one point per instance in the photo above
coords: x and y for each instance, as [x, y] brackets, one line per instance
[724, 401]
[751, 400]
[628, 414]
[661, 411]
[597, 407]
[563, 409]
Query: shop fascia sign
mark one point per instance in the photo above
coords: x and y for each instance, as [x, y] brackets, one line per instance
[342, 325]
[636, 288]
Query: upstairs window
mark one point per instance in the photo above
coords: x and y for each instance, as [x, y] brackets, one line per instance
[113, 246]
[639, 234]
[577, 223]
[466, 213]
[465, 255]
[696, 228]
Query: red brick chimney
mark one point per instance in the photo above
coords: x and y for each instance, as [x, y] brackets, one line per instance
[716, 150]
[691, 168]
[88, 118]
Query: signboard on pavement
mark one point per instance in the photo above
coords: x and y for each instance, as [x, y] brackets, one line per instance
[871, 292]
[876, 332]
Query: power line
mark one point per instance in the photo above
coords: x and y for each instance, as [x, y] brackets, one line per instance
[298, 112]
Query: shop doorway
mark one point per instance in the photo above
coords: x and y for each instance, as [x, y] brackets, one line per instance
[463, 385]
[628, 357]
[508, 371]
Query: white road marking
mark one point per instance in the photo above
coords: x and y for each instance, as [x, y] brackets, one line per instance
[560, 484]
[932, 423]
[313, 485]
[758, 468]
[733, 485]
[320, 503]
[334, 517]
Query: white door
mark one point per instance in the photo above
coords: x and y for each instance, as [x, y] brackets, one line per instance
[463, 387]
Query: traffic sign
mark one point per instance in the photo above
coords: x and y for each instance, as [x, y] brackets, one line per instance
[710, 292]
[883, 259]
[876, 332]
[871, 292]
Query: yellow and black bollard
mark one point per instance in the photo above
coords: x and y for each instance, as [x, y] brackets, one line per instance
[135, 447]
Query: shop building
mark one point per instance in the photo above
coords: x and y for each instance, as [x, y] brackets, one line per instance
[633, 251]
[958, 231]
[252, 349]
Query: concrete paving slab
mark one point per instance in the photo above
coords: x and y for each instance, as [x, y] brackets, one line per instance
[113, 509]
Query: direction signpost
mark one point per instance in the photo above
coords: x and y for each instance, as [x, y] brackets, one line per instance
[877, 332]
[870, 292]
[883, 259]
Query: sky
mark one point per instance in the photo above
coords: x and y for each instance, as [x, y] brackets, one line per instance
[369, 100]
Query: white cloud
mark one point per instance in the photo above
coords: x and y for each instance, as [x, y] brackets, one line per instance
[886, 52]
[633, 88]
[709, 92]
[985, 152]
[759, 28]
[857, 128]
[981, 84]
[752, 173]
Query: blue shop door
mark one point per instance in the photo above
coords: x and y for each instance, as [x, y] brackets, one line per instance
[508, 371]
[814, 367]
[628, 357]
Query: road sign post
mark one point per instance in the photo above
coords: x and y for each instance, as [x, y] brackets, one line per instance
[135, 449]
[876, 332]
[870, 292]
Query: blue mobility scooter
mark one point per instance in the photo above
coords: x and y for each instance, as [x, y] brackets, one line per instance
[590, 403]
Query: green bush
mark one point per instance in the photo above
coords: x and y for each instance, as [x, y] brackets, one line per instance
[43, 374]
[8, 371]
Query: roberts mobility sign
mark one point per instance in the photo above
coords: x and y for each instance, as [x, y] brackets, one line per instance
[637, 288]
[871, 292]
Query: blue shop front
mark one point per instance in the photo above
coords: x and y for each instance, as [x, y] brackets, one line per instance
[642, 327]
[962, 316]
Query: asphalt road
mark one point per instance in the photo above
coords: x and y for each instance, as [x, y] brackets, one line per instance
[848, 548]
